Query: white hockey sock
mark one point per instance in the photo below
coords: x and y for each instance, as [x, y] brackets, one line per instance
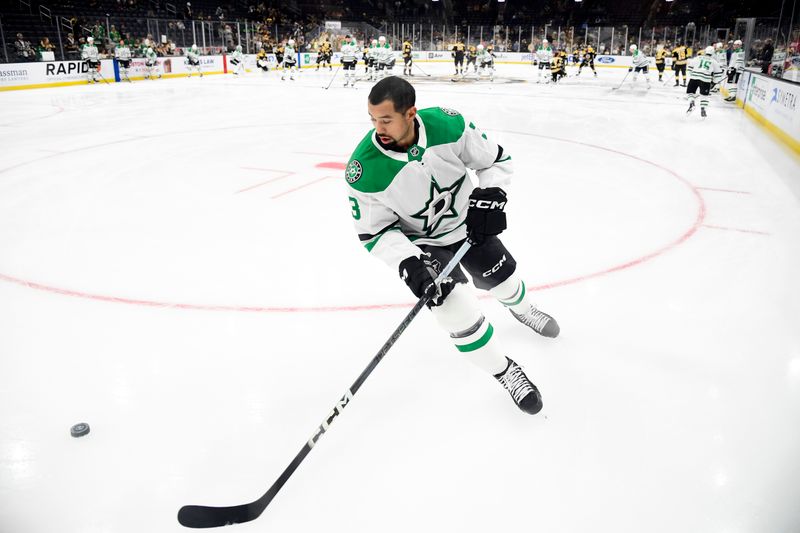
[473, 335]
[513, 294]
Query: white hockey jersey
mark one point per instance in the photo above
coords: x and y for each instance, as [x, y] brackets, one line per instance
[289, 54]
[721, 56]
[544, 54]
[704, 68]
[192, 55]
[90, 53]
[150, 57]
[383, 54]
[349, 51]
[737, 60]
[122, 52]
[639, 59]
[485, 57]
[400, 200]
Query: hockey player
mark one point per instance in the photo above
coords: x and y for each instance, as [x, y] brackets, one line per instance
[661, 61]
[151, 64]
[370, 59]
[279, 52]
[349, 59]
[408, 59]
[457, 52]
[703, 72]
[679, 63]
[262, 60]
[123, 56]
[384, 59]
[640, 61]
[588, 61]
[735, 68]
[721, 56]
[325, 54]
[237, 60]
[486, 62]
[91, 56]
[413, 206]
[289, 60]
[544, 55]
[193, 60]
[472, 55]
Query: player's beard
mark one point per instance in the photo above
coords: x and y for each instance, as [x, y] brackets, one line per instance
[392, 144]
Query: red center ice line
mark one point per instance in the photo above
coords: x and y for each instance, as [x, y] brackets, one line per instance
[699, 218]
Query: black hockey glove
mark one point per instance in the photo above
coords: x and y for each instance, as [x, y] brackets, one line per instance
[485, 216]
[630, 69]
[419, 274]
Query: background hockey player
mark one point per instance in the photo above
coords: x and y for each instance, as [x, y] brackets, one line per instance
[193, 60]
[262, 60]
[349, 58]
[704, 71]
[123, 56]
[384, 58]
[558, 67]
[325, 54]
[721, 56]
[679, 64]
[735, 69]
[289, 60]
[151, 64]
[91, 56]
[588, 61]
[279, 52]
[639, 64]
[457, 52]
[408, 59]
[413, 205]
[472, 56]
[544, 56]
[661, 61]
[486, 62]
[370, 59]
[237, 61]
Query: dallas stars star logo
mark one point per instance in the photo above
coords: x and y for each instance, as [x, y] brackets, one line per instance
[439, 206]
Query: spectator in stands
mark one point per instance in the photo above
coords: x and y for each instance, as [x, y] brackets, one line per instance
[113, 35]
[45, 46]
[766, 56]
[24, 50]
[187, 11]
[71, 46]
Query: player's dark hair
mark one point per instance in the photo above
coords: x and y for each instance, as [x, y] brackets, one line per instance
[396, 89]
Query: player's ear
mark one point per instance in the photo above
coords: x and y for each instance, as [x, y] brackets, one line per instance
[411, 112]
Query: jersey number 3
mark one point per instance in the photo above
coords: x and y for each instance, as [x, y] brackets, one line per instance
[354, 206]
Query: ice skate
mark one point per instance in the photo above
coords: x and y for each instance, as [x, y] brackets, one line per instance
[691, 108]
[703, 112]
[522, 391]
[538, 321]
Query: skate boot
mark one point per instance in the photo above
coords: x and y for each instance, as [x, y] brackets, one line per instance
[524, 393]
[730, 99]
[703, 112]
[540, 322]
[691, 108]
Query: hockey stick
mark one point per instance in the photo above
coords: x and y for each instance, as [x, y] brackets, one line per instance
[420, 69]
[332, 77]
[199, 516]
[623, 81]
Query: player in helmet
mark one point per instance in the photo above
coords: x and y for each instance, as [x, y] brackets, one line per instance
[735, 69]
[123, 56]
[193, 60]
[639, 64]
[704, 71]
[721, 56]
[151, 64]
[486, 61]
[91, 56]
[349, 58]
[544, 56]
[289, 60]
[237, 61]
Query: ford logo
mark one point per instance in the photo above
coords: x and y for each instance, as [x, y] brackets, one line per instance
[605, 59]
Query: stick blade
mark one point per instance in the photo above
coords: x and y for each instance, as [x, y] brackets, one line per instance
[201, 517]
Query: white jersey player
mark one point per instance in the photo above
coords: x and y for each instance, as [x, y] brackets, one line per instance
[193, 60]
[371, 59]
[485, 61]
[237, 60]
[151, 63]
[91, 56]
[721, 57]
[544, 56]
[384, 58]
[289, 60]
[704, 71]
[349, 52]
[123, 56]
[735, 69]
[413, 206]
[639, 62]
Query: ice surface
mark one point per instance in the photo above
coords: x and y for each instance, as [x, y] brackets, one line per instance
[178, 269]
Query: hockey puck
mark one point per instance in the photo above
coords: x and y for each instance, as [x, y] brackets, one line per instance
[79, 430]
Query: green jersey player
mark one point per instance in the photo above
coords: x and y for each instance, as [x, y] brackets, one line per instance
[413, 205]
